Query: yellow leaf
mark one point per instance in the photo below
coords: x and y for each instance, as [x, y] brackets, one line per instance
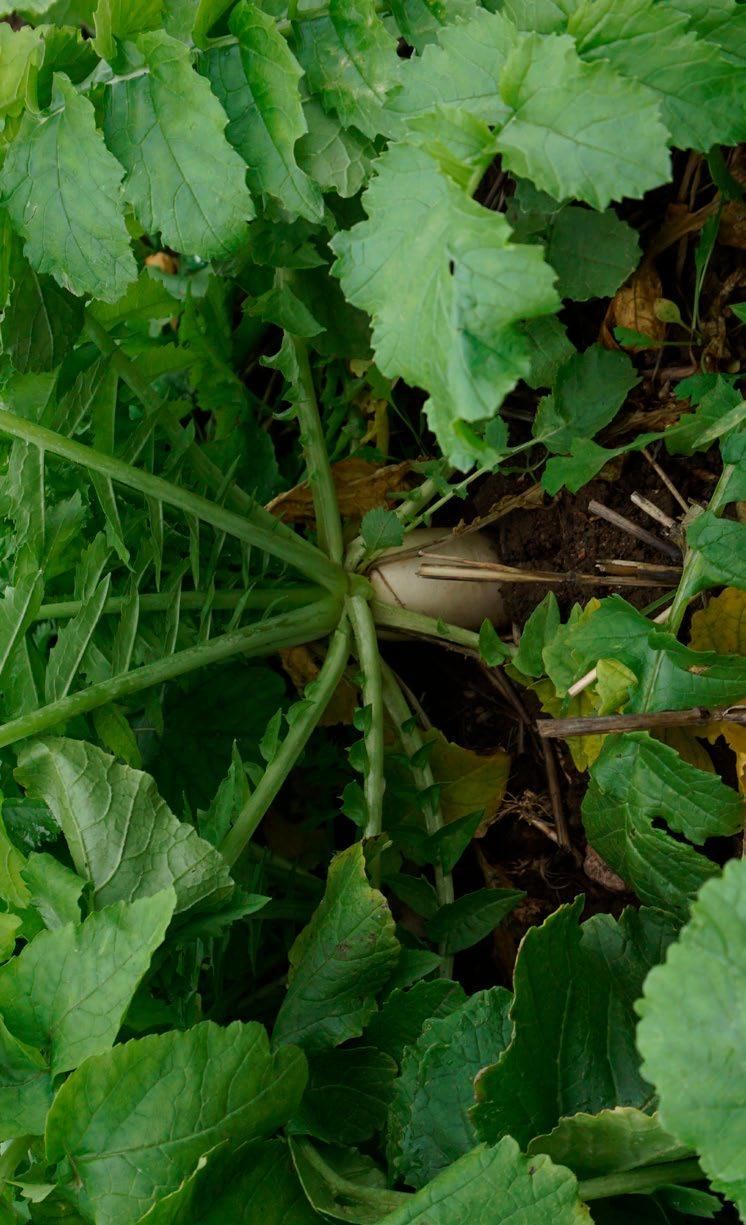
[468, 781]
[721, 627]
[583, 749]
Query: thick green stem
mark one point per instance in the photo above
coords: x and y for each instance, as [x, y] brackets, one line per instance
[321, 480]
[641, 1182]
[260, 598]
[366, 645]
[276, 633]
[157, 414]
[412, 742]
[419, 625]
[295, 552]
[317, 699]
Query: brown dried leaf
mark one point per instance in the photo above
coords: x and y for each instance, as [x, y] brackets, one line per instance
[302, 668]
[633, 306]
[732, 232]
[361, 486]
[597, 869]
[165, 262]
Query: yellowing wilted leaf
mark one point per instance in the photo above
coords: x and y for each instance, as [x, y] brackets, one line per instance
[302, 668]
[468, 781]
[721, 627]
[360, 486]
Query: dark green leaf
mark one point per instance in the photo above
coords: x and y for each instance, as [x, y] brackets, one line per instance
[472, 917]
[347, 1095]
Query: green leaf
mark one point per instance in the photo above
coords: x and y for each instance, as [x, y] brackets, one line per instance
[347, 1095]
[578, 129]
[63, 191]
[122, 836]
[721, 544]
[380, 529]
[183, 180]
[54, 890]
[42, 321]
[253, 1183]
[120, 20]
[719, 411]
[472, 917]
[588, 392]
[339, 961]
[72, 642]
[133, 1123]
[338, 158]
[229, 706]
[18, 608]
[451, 327]
[573, 1047]
[700, 95]
[401, 1018]
[549, 349]
[21, 53]
[462, 71]
[591, 252]
[489, 1186]
[609, 1142]
[637, 782]
[257, 80]
[342, 1183]
[69, 989]
[350, 61]
[540, 628]
[25, 1087]
[419, 21]
[429, 1124]
[693, 1029]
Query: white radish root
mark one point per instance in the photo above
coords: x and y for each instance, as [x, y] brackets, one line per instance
[396, 580]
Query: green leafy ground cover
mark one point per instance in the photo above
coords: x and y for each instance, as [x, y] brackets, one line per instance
[250, 251]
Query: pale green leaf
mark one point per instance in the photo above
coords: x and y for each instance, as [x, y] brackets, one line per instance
[420, 20]
[120, 20]
[134, 1122]
[693, 1030]
[492, 1186]
[636, 783]
[609, 1142]
[122, 836]
[591, 252]
[338, 158]
[183, 179]
[429, 1124]
[62, 188]
[573, 1047]
[254, 1183]
[462, 71]
[339, 961]
[69, 989]
[25, 1087]
[257, 81]
[10, 933]
[21, 53]
[54, 890]
[579, 129]
[700, 92]
[350, 60]
[721, 409]
[450, 326]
